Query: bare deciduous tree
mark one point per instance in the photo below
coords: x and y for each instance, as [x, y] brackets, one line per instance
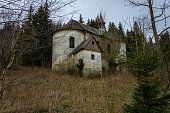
[157, 11]
[14, 12]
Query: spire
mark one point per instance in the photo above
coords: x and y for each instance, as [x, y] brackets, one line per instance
[102, 28]
[101, 19]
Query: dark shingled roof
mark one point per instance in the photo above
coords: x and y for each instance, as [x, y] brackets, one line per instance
[73, 24]
[82, 46]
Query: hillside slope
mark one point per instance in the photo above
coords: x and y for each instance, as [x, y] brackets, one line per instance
[41, 90]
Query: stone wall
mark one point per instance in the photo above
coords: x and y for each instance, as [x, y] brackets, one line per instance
[108, 55]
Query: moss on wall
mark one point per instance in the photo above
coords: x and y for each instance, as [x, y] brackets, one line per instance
[110, 53]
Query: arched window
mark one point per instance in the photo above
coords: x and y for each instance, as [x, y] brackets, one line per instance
[108, 48]
[71, 41]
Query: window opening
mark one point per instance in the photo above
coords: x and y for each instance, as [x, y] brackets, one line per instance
[108, 48]
[71, 42]
[92, 42]
[92, 56]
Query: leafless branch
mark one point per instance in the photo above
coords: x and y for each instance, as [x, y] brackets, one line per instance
[135, 3]
[163, 18]
[164, 30]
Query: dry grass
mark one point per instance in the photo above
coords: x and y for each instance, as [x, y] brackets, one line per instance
[41, 90]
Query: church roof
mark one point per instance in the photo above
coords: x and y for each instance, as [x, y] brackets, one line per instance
[84, 44]
[73, 24]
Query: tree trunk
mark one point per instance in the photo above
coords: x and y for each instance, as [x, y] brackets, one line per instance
[153, 24]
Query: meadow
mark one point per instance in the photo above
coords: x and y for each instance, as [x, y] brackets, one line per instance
[43, 91]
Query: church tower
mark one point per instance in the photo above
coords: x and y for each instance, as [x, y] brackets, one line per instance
[102, 28]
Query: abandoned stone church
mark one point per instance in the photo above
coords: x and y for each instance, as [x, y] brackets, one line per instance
[98, 49]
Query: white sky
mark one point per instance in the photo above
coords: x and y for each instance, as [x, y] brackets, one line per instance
[115, 11]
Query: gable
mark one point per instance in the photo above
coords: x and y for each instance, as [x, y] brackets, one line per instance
[89, 44]
[93, 46]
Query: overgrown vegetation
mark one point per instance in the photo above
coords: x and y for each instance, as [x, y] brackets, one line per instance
[41, 90]
[147, 96]
[80, 66]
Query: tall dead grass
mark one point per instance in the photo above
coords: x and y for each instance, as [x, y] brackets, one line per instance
[41, 90]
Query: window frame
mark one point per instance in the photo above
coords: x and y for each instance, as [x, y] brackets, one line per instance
[72, 42]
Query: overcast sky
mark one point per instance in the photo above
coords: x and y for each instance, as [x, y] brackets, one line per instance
[114, 10]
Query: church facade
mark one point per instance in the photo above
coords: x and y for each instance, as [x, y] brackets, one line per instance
[99, 51]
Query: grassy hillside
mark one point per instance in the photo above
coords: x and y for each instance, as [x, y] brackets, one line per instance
[41, 90]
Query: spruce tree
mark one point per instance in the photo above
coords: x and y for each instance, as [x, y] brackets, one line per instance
[144, 64]
[112, 28]
[165, 45]
[44, 28]
[81, 19]
[131, 39]
[130, 42]
[120, 28]
[93, 22]
[28, 41]
[88, 22]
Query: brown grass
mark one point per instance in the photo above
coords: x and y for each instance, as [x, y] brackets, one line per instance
[41, 90]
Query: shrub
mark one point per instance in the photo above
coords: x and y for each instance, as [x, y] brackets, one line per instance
[80, 66]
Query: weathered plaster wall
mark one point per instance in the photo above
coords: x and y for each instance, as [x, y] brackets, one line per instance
[90, 65]
[61, 49]
[114, 50]
[121, 56]
[122, 53]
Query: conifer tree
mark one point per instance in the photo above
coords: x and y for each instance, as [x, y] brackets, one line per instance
[130, 42]
[165, 44]
[120, 28]
[28, 41]
[43, 27]
[144, 63]
[112, 27]
[88, 22]
[93, 23]
[81, 19]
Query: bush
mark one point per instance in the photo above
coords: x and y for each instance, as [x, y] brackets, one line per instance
[80, 66]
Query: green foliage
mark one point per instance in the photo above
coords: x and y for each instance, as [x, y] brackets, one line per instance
[134, 37]
[144, 64]
[120, 28]
[165, 45]
[81, 19]
[93, 22]
[37, 38]
[112, 27]
[80, 66]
